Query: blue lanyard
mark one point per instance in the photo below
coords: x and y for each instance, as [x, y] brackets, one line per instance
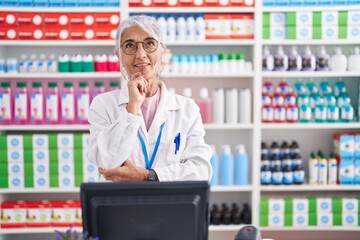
[149, 164]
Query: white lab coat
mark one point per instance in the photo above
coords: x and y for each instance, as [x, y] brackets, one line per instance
[114, 136]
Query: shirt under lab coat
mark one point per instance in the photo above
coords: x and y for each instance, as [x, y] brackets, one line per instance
[114, 136]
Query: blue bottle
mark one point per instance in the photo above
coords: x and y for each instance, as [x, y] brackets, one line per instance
[241, 166]
[214, 161]
[226, 166]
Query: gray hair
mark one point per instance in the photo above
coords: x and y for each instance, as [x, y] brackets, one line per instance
[148, 24]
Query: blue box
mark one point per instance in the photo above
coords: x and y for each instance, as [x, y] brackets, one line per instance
[55, 3]
[99, 3]
[84, 3]
[113, 3]
[70, 3]
[40, 3]
[25, 3]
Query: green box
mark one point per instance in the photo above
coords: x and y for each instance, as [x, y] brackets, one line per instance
[312, 219]
[337, 205]
[342, 33]
[317, 32]
[290, 19]
[291, 32]
[3, 141]
[343, 18]
[266, 32]
[337, 219]
[264, 220]
[317, 21]
[264, 206]
[288, 220]
[266, 19]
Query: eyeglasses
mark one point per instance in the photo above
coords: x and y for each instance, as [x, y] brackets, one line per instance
[130, 47]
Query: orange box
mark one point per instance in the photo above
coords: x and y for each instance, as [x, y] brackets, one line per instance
[63, 213]
[160, 3]
[56, 33]
[38, 214]
[104, 33]
[81, 33]
[241, 3]
[81, 19]
[8, 19]
[29, 19]
[186, 3]
[218, 26]
[107, 19]
[211, 3]
[8, 33]
[30, 33]
[135, 3]
[56, 19]
[13, 214]
[242, 26]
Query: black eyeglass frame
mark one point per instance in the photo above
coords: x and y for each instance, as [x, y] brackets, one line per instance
[142, 43]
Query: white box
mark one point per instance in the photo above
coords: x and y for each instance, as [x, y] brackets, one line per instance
[300, 205]
[41, 155]
[15, 141]
[323, 205]
[15, 155]
[350, 205]
[16, 169]
[329, 32]
[304, 18]
[65, 140]
[276, 206]
[276, 220]
[350, 219]
[353, 17]
[85, 140]
[277, 19]
[16, 181]
[40, 141]
[277, 32]
[66, 154]
[66, 181]
[304, 32]
[353, 32]
[66, 168]
[324, 219]
[41, 181]
[329, 18]
[41, 168]
[300, 219]
[90, 172]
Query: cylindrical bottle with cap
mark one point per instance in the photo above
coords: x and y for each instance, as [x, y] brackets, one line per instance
[224, 63]
[240, 63]
[322, 60]
[354, 60]
[163, 26]
[308, 60]
[205, 105]
[218, 100]
[231, 105]
[32, 63]
[265, 176]
[21, 104]
[52, 64]
[299, 173]
[295, 63]
[280, 60]
[245, 106]
[338, 61]
[181, 28]
[98, 89]
[42, 63]
[23, 64]
[52, 103]
[241, 166]
[100, 63]
[6, 104]
[82, 103]
[323, 168]
[200, 26]
[64, 63]
[226, 166]
[214, 161]
[187, 92]
[190, 27]
[313, 169]
[113, 63]
[37, 103]
[76, 63]
[332, 169]
[68, 103]
[232, 63]
[171, 28]
[267, 60]
[88, 63]
[114, 85]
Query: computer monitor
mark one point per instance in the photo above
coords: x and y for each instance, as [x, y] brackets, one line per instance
[146, 210]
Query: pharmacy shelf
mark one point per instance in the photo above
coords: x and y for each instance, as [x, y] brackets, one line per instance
[62, 9]
[309, 126]
[38, 230]
[311, 8]
[225, 189]
[192, 10]
[207, 75]
[70, 43]
[213, 126]
[36, 190]
[304, 74]
[330, 228]
[221, 228]
[232, 42]
[311, 188]
[60, 75]
[44, 128]
[311, 42]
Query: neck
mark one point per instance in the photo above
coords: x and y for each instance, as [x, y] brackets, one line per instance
[153, 87]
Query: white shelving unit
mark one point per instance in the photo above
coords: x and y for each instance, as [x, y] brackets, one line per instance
[311, 135]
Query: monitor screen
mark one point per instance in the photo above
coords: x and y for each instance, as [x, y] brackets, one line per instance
[146, 210]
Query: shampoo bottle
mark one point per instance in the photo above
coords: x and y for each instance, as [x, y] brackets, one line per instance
[308, 60]
[322, 60]
[267, 60]
[214, 161]
[338, 61]
[241, 166]
[295, 62]
[354, 61]
[226, 166]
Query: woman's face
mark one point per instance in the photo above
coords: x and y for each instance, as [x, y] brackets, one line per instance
[141, 61]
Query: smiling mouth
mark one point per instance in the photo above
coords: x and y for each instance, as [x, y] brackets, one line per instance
[142, 65]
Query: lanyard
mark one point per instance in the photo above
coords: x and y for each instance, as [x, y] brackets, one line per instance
[149, 164]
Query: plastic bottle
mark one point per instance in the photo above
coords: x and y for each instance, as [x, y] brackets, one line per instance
[246, 214]
[184, 63]
[339, 87]
[265, 176]
[21, 104]
[277, 174]
[23, 64]
[171, 28]
[214, 161]
[187, 92]
[226, 166]
[313, 169]
[163, 26]
[232, 63]
[83, 102]
[264, 148]
[280, 60]
[224, 63]
[274, 148]
[190, 27]
[347, 113]
[205, 106]
[181, 28]
[52, 104]
[32, 63]
[288, 174]
[333, 169]
[88, 63]
[308, 60]
[215, 64]
[354, 60]
[37, 104]
[241, 166]
[245, 105]
[333, 113]
[76, 63]
[322, 60]
[338, 61]
[295, 61]
[320, 114]
[200, 26]
[305, 114]
[101, 63]
[114, 85]
[2, 65]
[231, 105]
[64, 63]
[68, 103]
[52, 64]
[299, 173]
[42, 64]
[323, 168]
[218, 100]
[6, 104]
[267, 60]
[294, 148]
[240, 63]
[98, 89]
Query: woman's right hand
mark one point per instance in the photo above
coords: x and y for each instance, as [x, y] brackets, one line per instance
[138, 86]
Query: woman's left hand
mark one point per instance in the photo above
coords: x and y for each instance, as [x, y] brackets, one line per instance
[128, 172]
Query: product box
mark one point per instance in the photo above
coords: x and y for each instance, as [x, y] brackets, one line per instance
[353, 17]
[300, 220]
[277, 19]
[324, 219]
[107, 19]
[15, 156]
[54, 20]
[40, 141]
[38, 214]
[99, 3]
[90, 172]
[242, 26]
[40, 155]
[330, 18]
[276, 206]
[54, 33]
[344, 145]
[41, 181]
[41, 169]
[304, 18]
[7, 34]
[345, 205]
[13, 214]
[218, 26]
[324, 205]
[29, 33]
[16, 168]
[277, 32]
[300, 205]
[16, 181]
[353, 32]
[65, 140]
[29, 19]
[69, 3]
[304, 32]
[14, 141]
[78, 215]
[85, 140]
[8, 19]
[276, 220]
[105, 33]
[55, 3]
[329, 32]
[63, 213]
[66, 181]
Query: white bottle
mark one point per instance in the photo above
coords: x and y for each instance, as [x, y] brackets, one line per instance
[163, 27]
[338, 61]
[32, 63]
[231, 105]
[294, 61]
[190, 27]
[23, 65]
[175, 64]
[354, 60]
[187, 92]
[280, 60]
[200, 26]
[322, 60]
[181, 28]
[52, 65]
[42, 63]
[171, 28]
[245, 105]
[218, 101]
[205, 105]
[268, 60]
[308, 60]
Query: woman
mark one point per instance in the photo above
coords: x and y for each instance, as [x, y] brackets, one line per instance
[142, 132]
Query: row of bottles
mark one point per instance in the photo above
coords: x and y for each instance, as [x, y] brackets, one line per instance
[281, 164]
[293, 61]
[323, 170]
[64, 63]
[229, 169]
[230, 215]
[190, 3]
[61, 3]
[50, 105]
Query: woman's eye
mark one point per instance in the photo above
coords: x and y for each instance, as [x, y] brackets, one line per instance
[129, 45]
[150, 42]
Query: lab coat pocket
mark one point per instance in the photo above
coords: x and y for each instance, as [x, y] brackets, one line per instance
[176, 147]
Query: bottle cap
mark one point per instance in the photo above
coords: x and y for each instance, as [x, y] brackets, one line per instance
[36, 85]
[68, 84]
[21, 84]
[204, 93]
[232, 56]
[113, 58]
[280, 50]
[187, 92]
[239, 56]
[114, 84]
[83, 84]
[52, 84]
[222, 56]
[99, 84]
[307, 50]
[240, 148]
[338, 51]
[294, 50]
[226, 149]
[5, 84]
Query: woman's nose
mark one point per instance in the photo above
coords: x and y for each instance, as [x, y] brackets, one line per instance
[140, 52]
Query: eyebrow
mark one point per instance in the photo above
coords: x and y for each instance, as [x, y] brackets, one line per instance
[132, 40]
